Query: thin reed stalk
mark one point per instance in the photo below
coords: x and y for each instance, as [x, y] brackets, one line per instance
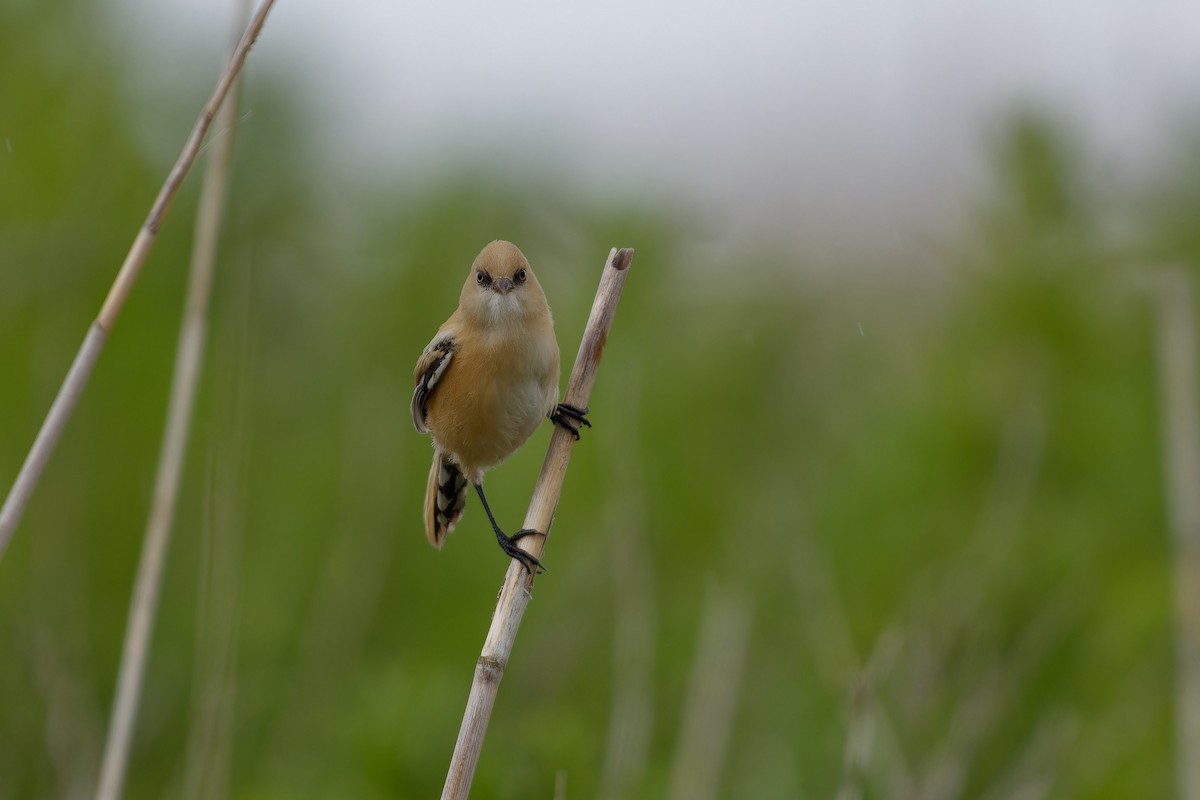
[93, 343]
[515, 594]
[193, 334]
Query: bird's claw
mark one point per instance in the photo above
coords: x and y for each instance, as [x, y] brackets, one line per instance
[527, 560]
[570, 417]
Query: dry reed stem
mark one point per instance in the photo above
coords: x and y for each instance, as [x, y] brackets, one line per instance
[867, 716]
[872, 750]
[632, 715]
[629, 729]
[93, 343]
[188, 357]
[209, 746]
[347, 596]
[711, 698]
[1181, 452]
[214, 686]
[1001, 673]
[515, 594]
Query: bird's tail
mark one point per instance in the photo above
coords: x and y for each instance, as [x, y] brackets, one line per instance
[445, 498]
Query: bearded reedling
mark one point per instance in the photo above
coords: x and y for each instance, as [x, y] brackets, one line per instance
[483, 384]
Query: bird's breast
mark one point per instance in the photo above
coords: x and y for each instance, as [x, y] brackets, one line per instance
[492, 398]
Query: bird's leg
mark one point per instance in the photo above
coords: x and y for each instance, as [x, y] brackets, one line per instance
[570, 417]
[509, 543]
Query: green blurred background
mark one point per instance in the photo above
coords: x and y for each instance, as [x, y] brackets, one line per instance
[890, 532]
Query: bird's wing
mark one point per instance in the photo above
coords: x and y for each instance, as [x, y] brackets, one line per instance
[430, 367]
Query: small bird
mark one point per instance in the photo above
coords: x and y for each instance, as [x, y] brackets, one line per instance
[483, 384]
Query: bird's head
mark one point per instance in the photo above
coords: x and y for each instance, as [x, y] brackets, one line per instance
[501, 287]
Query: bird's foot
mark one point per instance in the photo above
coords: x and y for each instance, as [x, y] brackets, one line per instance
[570, 417]
[509, 545]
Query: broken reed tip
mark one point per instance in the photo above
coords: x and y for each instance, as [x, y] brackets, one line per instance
[623, 258]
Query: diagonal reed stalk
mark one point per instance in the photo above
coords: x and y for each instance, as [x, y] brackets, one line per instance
[515, 594]
[189, 354]
[93, 343]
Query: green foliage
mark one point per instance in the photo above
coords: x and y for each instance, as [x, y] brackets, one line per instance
[957, 485]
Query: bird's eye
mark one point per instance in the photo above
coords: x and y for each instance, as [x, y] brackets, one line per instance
[482, 278]
[519, 277]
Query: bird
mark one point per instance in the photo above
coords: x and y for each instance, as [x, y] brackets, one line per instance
[483, 384]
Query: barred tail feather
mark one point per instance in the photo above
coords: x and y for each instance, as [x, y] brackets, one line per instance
[445, 498]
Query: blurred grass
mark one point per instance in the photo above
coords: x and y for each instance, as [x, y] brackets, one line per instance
[967, 460]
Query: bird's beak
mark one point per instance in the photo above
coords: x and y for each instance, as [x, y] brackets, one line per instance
[502, 285]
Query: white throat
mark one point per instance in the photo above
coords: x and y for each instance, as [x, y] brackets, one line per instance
[501, 309]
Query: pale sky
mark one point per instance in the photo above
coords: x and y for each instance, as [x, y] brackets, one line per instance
[835, 113]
